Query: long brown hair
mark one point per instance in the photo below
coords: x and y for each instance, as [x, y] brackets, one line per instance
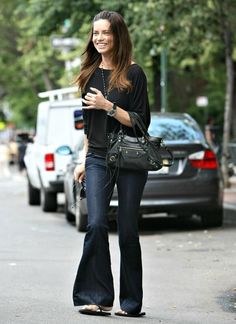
[121, 56]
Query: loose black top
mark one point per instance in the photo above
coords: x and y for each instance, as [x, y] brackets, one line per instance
[96, 122]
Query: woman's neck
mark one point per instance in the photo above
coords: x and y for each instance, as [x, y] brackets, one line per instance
[106, 63]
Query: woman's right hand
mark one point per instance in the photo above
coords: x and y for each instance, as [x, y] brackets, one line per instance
[79, 172]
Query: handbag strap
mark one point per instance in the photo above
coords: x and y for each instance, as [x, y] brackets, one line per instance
[136, 120]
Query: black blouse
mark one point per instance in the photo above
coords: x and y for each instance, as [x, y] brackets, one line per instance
[96, 122]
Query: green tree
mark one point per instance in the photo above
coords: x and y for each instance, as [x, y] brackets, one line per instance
[197, 34]
[28, 63]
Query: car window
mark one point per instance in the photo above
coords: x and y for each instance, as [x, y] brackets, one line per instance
[176, 129]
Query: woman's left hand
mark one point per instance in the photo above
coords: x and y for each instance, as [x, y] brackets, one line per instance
[94, 99]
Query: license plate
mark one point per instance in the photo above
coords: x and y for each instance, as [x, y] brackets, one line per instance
[163, 170]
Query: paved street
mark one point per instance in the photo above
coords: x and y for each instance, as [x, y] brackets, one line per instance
[189, 272]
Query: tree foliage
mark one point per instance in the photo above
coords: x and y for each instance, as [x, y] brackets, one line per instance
[28, 63]
[193, 31]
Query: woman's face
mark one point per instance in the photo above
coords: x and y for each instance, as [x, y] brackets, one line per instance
[103, 39]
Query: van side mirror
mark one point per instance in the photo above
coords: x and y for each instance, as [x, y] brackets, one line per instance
[78, 119]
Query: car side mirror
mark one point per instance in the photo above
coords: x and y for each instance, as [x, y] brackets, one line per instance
[64, 150]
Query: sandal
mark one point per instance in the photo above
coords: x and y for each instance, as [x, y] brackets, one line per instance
[96, 310]
[123, 313]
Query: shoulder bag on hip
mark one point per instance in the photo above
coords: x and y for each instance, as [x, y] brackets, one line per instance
[137, 153]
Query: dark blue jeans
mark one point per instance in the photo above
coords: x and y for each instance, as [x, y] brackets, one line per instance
[94, 281]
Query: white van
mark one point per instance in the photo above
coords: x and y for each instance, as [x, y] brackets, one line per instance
[59, 128]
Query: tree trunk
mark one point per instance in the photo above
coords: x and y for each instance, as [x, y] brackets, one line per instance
[47, 82]
[228, 104]
[233, 128]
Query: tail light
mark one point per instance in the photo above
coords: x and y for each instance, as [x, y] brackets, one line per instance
[204, 160]
[49, 162]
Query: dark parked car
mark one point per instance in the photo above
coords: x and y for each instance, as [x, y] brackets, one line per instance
[191, 186]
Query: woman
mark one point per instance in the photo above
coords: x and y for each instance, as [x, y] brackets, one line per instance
[112, 84]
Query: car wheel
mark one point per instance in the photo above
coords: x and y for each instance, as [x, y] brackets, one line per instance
[81, 219]
[48, 201]
[33, 195]
[69, 216]
[213, 218]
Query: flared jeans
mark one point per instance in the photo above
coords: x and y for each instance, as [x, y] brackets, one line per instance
[94, 280]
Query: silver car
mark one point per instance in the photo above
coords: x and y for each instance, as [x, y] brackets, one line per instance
[191, 186]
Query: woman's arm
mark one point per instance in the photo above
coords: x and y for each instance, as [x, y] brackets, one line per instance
[98, 101]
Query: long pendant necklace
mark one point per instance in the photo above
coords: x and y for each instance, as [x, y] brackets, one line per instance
[106, 92]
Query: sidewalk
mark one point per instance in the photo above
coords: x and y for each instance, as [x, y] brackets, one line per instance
[230, 195]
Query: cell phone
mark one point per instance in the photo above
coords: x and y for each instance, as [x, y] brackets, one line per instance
[83, 190]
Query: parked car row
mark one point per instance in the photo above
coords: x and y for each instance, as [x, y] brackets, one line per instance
[191, 186]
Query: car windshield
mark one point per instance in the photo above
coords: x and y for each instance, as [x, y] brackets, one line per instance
[175, 129]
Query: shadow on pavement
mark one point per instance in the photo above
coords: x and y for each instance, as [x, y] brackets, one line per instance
[153, 225]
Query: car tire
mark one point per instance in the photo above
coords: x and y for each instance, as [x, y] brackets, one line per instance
[81, 220]
[48, 200]
[69, 216]
[213, 218]
[33, 195]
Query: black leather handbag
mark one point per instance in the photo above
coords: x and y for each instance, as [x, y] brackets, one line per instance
[137, 153]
